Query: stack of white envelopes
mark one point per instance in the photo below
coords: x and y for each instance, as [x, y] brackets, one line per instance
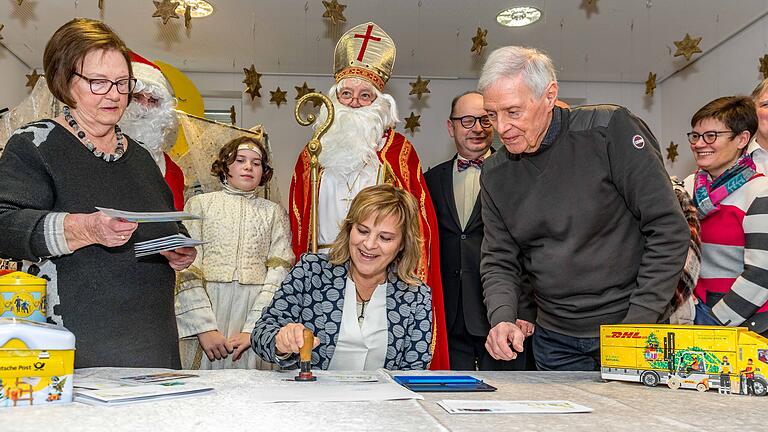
[170, 242]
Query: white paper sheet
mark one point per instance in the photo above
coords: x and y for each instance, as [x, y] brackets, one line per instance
[332, 391]
[511, 407]
[141, 217]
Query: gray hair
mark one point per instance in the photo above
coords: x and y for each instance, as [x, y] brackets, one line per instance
[759, 89]
[534, 66]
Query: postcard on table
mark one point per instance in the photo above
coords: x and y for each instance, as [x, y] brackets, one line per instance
[141, 217]
[141, 393]
[157, 377]
[512, 407]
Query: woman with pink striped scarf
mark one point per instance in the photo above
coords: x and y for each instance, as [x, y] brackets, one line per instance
[731, 200]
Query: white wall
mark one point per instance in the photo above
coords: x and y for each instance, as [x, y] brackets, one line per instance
[730, 69]
[431, 141]
[12, 79]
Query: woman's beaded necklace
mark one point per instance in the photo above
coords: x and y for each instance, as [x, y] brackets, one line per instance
[108, 157]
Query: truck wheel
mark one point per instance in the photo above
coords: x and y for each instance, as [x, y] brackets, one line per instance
[651, 379]
[674, 383]
[702, 387]
[760, 386]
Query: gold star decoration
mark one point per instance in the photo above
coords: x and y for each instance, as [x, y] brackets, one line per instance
[672, 151]
[32, 79]
[589, 6]
[334, 11]
[303, 90]
[1, 29]
[251, 81]
[479, 42]
[650, 84]
[412, 122]
[763, 63]
[687, 47]
[233, 115]
[277, 96]
[188, 17]
[165, 9]
[419, 87]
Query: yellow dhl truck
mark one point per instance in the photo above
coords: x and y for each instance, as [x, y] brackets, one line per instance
[730, 359]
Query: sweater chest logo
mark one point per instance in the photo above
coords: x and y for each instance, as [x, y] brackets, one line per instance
[638, 141]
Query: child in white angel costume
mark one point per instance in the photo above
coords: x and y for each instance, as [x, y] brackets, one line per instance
[235, 275]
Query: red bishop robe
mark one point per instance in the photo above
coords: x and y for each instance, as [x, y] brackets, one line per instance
[402, 169]
[175, 179]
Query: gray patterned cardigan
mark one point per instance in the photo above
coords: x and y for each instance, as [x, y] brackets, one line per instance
[313, 294]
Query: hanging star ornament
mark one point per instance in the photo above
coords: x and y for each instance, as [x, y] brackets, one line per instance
[687, 47]
[419, 87]
[763, 63]
[479, 42]
[165, 9]
[412, 122]
[334, 11]
[303, 90]
[188, 17]
[589, 6]
[650, 84]
[672, 151]
[32, 79]
[252, 82]
[278, 96]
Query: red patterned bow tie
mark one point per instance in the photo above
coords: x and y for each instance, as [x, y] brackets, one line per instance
[463, 164]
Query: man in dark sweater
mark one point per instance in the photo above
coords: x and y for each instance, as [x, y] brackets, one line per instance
[454, 186]
[580, 199]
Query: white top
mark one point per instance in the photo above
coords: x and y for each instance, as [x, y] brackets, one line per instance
[362, 347]
[336, 193]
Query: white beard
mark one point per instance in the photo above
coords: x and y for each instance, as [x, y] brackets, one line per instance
[152, 128]
[356, 133]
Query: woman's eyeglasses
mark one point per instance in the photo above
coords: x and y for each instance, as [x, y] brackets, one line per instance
[102, 86]
[709, 136]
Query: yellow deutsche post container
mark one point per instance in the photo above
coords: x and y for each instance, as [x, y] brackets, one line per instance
[37, 363]
[22, 296]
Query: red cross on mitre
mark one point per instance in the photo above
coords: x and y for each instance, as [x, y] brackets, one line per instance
[368, 36]
[365, 51]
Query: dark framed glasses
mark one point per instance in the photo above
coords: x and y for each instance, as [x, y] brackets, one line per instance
[102, 86]
[468, 121]
[709, 136]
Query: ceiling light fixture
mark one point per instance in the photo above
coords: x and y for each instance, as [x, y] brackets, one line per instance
[518, 16]
[198, 8]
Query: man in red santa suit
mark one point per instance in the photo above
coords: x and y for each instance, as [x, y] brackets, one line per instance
[362, 149]
[150, 119]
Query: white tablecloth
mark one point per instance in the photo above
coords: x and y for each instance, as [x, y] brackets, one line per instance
[618, 406]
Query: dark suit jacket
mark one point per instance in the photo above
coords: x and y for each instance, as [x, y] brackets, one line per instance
[460, 255]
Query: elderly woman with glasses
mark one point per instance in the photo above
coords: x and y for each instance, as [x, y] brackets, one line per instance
[55, 172]
[731, 199]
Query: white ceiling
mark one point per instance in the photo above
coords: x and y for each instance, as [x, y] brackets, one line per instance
[621, 41]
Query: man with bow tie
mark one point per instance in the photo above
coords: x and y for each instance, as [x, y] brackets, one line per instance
[454, 186]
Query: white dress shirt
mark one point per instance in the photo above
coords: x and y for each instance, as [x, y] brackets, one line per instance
[466, 186]
[759, 155]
